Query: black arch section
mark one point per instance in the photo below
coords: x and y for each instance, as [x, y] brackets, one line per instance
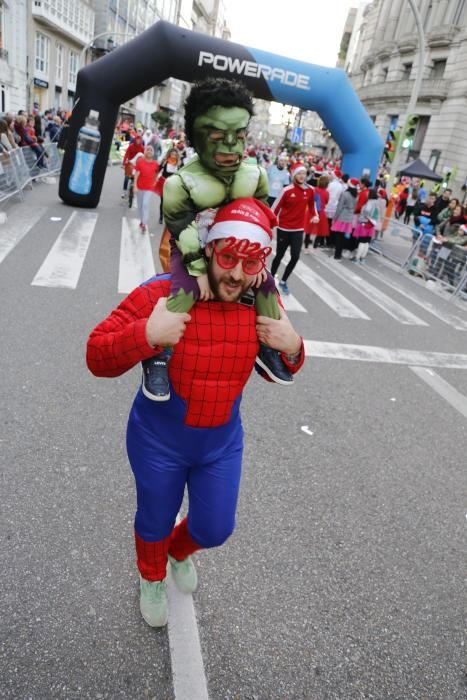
[166, 50]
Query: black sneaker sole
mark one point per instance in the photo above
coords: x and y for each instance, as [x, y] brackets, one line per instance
[271, 374]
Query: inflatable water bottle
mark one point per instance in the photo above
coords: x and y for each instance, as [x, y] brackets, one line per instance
[89, 140]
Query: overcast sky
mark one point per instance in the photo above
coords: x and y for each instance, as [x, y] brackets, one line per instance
[307, 30]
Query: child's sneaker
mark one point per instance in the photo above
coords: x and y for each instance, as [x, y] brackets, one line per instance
[153, 602]
[184, 574]
[271, 362]
[284, 287]
[155, 384]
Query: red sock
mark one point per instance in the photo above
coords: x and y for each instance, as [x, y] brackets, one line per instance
[181, 542]
[151, 558]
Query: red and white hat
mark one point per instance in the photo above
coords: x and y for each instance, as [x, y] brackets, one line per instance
[244, 218]
[297, 168]
[353, 182]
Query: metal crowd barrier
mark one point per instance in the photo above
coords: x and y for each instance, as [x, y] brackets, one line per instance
[22, 166]
[394, 241]
[444, 266]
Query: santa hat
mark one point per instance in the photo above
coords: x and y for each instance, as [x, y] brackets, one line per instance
[337, 173]
[297, 168]
[353, 182]
[319, 170]
[244, 218]
[382, 193]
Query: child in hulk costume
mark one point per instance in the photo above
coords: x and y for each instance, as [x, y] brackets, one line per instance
[217, 114]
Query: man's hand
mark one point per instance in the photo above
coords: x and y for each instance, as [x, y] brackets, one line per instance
[279, 335]
[206, 292]
[165, 327]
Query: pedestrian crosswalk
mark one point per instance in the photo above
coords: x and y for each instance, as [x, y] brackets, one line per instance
[338, 286]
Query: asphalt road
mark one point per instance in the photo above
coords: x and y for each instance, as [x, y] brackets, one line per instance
[344, 579]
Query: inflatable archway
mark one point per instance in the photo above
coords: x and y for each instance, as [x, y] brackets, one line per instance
[166, 50]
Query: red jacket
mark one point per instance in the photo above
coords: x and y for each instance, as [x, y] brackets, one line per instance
[132, 150]
[291, 205]
[362, 199]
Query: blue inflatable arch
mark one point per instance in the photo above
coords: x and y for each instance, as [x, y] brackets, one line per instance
[166, 50]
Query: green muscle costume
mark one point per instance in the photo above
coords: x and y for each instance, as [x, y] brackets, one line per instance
[215, 176]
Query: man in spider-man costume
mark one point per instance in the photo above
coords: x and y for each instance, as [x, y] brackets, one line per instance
[195, 439]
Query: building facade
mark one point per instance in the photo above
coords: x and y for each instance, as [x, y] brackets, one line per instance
[58, 32]
[384, 66]
[13, 55]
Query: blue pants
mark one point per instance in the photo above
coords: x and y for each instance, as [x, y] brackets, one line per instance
[166, 455]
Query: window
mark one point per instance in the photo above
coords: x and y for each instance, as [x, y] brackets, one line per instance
[438, 68]
[458, 12]
[42, 53]
[406, 71]
[2, 26]
[385, 74]
[72, 68]
[4, 106]
[59, 64]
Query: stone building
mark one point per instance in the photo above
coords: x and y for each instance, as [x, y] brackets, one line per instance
[13, 56]
[384, 66]
[58, 32]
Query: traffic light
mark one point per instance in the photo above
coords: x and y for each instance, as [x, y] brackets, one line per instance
[410, 130]
[391, 144]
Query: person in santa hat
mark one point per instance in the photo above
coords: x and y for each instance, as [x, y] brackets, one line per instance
[290, 208]
[342, 224]
[194, 440]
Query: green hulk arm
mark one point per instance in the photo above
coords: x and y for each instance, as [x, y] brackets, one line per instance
[180, 212]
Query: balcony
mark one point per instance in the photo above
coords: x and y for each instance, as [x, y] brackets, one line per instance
[73, 19]
[395, 90]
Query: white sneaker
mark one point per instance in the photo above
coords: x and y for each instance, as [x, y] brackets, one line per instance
[153, 602]
[184, 574]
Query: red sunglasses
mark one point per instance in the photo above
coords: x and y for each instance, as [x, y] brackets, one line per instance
[251, 255]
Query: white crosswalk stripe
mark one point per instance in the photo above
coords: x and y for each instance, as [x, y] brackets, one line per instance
[62, 266]
[136, 260]
[16, 228]
[373, 294]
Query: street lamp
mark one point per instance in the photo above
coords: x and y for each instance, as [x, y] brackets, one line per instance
[110, 42]
[412, 106]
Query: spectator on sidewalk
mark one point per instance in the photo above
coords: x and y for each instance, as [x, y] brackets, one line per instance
[6, 137]
[442, 202]
[446, 212]
[54, 128]
[426, 209]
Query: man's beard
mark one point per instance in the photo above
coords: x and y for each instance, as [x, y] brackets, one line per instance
[219, 290]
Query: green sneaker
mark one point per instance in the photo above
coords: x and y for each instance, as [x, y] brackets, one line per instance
[153, 602]
[184, 574]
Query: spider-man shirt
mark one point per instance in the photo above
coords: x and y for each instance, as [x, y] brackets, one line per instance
[210, 364]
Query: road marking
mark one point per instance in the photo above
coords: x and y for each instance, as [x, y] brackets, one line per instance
[188, 676]
[451, 319]
[331, 297]
[290, 303]
[373, 294]
[443, 388]
[306, 430]
[62, 266]
[16, 228]
[136, 258]
[372, 353]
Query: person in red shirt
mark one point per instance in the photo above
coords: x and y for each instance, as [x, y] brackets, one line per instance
[290, 208]
[127, 164]
[146, 170]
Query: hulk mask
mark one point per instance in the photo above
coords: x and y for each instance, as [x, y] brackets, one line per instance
[219, 138]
